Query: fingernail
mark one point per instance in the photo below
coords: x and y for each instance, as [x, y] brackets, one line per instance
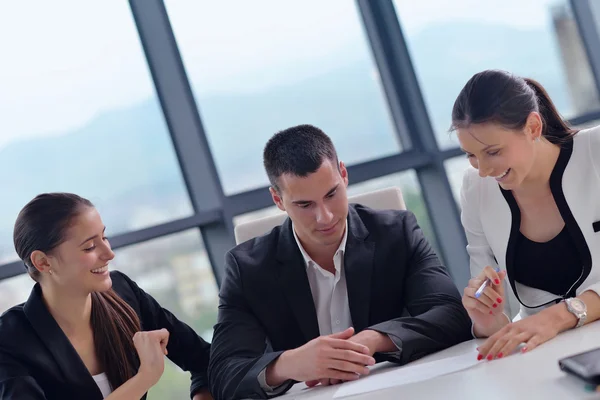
[479, 357]
[497, 281]
[524, 349]
[490, 357]
[499, 300]
[494, 305]
[499, 355]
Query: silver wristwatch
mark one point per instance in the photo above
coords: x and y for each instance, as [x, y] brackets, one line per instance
[578, 308]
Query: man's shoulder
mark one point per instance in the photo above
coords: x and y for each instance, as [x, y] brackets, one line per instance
[388, 221]
[257, 251]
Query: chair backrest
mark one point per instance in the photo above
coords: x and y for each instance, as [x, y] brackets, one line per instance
[384, 199]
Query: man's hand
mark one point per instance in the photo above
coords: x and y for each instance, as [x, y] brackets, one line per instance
[326, 357]
[376, 342]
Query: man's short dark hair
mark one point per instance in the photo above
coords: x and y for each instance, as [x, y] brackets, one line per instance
[299, 151]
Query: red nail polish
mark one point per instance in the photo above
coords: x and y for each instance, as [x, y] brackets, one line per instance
[499, 355]
[494, 305]
[497, 281]
[490, 357]
[479, 357]
[524, 349]
[499, 300]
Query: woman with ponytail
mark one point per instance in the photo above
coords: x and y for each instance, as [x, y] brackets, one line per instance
[85, 332]
[531, 213]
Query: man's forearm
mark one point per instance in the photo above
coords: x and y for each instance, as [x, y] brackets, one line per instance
[277, 372]
[377, 342]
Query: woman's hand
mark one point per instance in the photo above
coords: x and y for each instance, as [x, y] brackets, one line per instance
[532, 331]
[151, 347]
[486, 312]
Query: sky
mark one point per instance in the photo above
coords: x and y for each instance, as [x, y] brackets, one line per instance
[71, 60]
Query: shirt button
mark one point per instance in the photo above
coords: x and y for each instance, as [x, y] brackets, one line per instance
[337, 322]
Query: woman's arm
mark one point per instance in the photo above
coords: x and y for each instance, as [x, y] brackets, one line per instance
[151, 349]
[203, 394]
[186, 349]
[16, 381]
[486, 320]
[134, 388]
[562, 319]
[538, 328]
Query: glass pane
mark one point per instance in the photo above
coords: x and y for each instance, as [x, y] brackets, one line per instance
[411, 192]
[15, 291]
[455, 168]
[80, 114]
[176, 271]
[406, 181]
[533, 38]
[261, 66]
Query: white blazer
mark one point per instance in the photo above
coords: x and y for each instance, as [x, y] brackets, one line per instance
[492, 219]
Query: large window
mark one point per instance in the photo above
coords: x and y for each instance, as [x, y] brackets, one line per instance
[455, 168]
[15, 291]
[258, 67]
[79, 114]
[451, 41]
[411, 192]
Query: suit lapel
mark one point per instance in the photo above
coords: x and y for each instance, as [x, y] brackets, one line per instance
[358, 267]
[294, 282]
[51, 335]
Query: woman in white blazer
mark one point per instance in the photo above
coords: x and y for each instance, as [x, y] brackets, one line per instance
[530, 210]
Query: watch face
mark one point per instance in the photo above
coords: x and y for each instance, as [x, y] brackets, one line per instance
[577, 305]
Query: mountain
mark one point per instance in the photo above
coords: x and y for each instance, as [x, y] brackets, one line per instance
[123, 160]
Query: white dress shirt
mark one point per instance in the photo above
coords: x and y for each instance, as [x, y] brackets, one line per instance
[329, 291]
[330, 296]
[103, 384]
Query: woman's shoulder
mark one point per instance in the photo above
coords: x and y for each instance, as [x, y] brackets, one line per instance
[123, 281]
[13, 324]
[590, 135]
[124, 286]
[472, 183]
[587, 142]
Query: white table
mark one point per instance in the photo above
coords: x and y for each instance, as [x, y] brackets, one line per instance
[533, 375]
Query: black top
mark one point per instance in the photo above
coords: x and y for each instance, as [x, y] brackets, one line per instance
[38, 362]
[572, 228]
[553, 266]
[266, 306]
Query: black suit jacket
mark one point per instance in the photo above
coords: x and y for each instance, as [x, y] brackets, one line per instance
[37, 361]
[266, 305]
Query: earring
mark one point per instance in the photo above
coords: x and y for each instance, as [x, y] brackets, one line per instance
[537, 139]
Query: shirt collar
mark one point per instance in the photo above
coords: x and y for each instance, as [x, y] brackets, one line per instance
[307, 259]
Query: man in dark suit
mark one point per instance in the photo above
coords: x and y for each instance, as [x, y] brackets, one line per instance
[321, 297]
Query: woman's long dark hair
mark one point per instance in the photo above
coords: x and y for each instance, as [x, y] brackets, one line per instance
[42, 225]
[495, 96]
